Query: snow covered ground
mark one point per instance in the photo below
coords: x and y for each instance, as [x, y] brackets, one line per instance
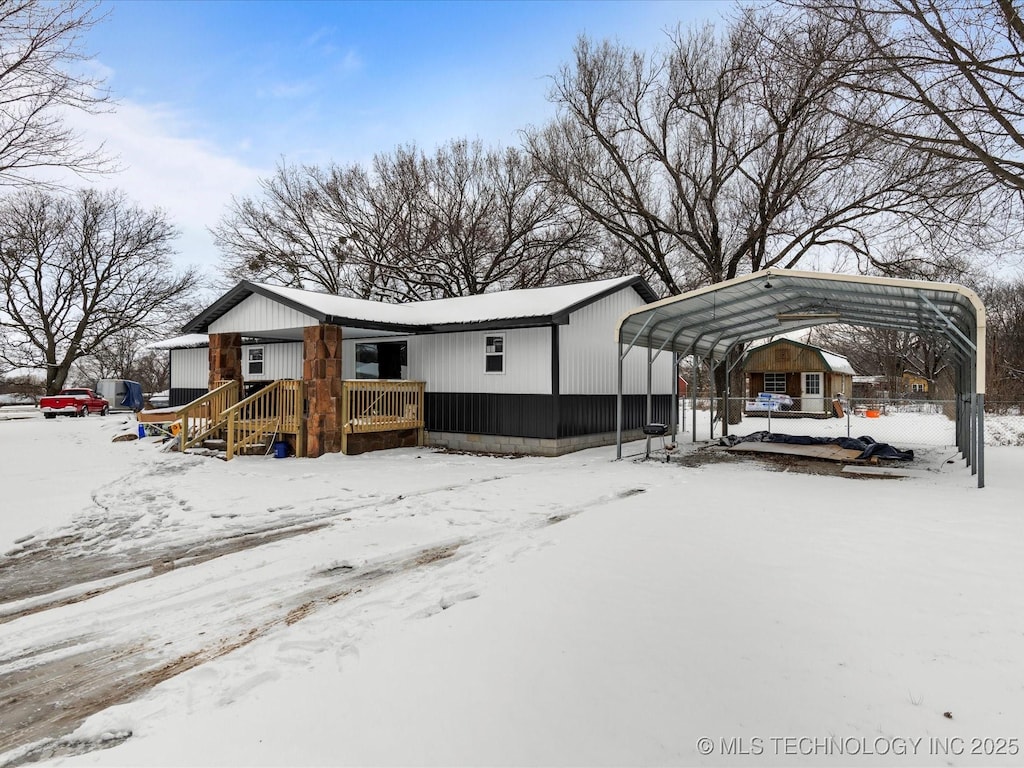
[420, 608]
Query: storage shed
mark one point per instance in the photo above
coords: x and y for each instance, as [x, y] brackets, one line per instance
[809, 375]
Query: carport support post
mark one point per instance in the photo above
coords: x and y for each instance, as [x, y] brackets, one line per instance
[693, 397]
[618, 409]
[711, 398]
[650, 386]
[980, 465]
[673, 417]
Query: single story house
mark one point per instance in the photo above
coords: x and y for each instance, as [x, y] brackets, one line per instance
[913, 384]
[809, 375]
[523, 371]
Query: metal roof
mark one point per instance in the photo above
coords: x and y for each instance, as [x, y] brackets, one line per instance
[499, 309]
[711, 321]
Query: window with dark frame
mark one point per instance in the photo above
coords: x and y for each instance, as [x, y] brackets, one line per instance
[254, 361]
[494, 355]
[775, 382]
[382, 360]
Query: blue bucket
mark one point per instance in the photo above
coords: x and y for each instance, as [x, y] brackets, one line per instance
[280, 450]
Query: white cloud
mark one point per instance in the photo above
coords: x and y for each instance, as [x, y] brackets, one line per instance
[165, 165]
[351, 62]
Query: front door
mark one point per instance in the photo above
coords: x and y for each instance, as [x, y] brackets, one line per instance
[811, 398]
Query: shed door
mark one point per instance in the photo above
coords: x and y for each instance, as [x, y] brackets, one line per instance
[812, 398]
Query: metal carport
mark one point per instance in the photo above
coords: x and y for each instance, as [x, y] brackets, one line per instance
[712, 322]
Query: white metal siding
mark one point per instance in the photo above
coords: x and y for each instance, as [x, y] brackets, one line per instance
[280, 361]
[588, 352]
[190, 368]
[258, 313]
[454, 362]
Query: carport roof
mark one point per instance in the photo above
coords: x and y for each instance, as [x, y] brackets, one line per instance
[709, 321]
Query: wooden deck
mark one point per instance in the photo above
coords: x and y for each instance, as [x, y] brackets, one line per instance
[158, 415]
[277, 411]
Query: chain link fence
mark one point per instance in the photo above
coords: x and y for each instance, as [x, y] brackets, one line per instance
[904, 423]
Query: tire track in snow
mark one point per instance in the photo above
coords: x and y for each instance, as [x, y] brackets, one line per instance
[57, 565]
[41, 702]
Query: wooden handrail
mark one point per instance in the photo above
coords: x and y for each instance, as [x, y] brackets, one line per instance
[275, 408]
[205, 415]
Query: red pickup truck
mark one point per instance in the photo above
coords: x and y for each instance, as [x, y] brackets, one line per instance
[73, 402]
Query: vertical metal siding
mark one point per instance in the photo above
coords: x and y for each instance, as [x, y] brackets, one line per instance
[454, 362]
[282, 360]
[258, 313]
[190, 368]
[589, 353]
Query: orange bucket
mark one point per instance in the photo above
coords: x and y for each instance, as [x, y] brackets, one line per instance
[872, 414]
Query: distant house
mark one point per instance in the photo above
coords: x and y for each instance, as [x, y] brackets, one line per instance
[523, 371]
[809, 376]
[913, 384]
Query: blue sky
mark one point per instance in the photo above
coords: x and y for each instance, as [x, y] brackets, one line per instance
[211, 95]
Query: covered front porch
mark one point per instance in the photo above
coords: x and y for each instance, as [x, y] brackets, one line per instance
[374, 415]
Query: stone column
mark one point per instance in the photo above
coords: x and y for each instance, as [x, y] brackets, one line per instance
[321, 371]
[225, 359]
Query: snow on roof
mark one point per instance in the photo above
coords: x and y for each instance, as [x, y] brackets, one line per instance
[836, 362]
[500, 305]
[181, 342]
[338, 306]
[516, 307]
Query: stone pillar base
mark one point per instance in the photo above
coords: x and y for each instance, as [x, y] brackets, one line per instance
[321, 371]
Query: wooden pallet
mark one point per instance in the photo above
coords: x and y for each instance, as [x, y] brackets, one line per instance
[826, 451]
[884, 471]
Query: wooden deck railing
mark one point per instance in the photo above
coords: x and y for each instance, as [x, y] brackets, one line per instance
[370, 405]
[274, 409]
[204, 416]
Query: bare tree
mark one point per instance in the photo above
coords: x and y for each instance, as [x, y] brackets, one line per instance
[948, 76]
[40, 79]
[735, 151]
[464, 220]
[125, 356]
[77, 271]
[1004, 307]
[287, 235]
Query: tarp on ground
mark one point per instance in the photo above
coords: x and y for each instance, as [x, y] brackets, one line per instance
[868, 447]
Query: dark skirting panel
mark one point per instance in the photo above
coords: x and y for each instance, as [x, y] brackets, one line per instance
[594, 414]
[182, 396]
[535, 415]
[479, 413]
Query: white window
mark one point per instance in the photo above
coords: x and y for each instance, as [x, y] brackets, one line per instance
[494, 355]
[775, 382]
[917, 387]
[812, 383]
[254, 362]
